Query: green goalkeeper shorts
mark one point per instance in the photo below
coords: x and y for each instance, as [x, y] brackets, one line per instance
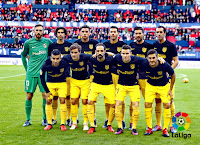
[31, 84]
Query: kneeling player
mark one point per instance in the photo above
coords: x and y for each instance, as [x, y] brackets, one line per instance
[158, 83]
[102, 83]
[56, 84]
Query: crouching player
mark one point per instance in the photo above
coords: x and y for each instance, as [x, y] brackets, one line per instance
[55, 68]
[158, 83]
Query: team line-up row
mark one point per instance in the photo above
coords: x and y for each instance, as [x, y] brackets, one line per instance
[112, 71]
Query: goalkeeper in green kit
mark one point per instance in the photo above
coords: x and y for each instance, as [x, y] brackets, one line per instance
[37, 49]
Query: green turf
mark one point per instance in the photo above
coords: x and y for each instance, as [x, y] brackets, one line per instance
[12, 116]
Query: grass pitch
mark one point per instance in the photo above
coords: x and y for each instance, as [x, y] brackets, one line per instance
[12, 115]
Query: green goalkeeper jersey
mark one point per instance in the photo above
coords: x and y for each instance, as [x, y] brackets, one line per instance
[38, 52]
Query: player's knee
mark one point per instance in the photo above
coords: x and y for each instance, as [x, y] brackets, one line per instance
[135, 104]
[148, 105]
[84, 101]
[62, 100]
[73, 101]
[49, 101]
[119, 103]
[158, 100]
[43, 95]
[166, 105]
[29, 96]
[112, 105]
[55, 97]
[90, 102]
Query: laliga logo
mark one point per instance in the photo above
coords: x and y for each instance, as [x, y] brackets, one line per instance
[181, 121]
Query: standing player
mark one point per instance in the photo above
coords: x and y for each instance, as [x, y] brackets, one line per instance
[140, 48]
[88, 47]
[158, 83]
[102, 83]
[37, 49]
[166, 50]
[63, 46]
[55, 68]
[79, 84]
[127, 67]
[114, 45]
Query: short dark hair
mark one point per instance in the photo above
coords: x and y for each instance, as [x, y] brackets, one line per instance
[75, 46]
[114, 28]
[101, 44]
[85, 26]
[152, 51]
[38, 25]
[56, 52]
[139, 28]
[56, 31]
[126, 47]
[164, 29]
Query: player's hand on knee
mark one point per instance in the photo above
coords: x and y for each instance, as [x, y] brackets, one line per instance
[162, 61]
[47, 95]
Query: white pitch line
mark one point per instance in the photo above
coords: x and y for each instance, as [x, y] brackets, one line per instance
[12, 76]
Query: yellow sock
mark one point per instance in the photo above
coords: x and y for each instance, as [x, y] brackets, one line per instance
[111, 115]
[85, 117]
[74, 112]
[135, 116]
[90, 113]
[55, 107]
[123, 110]
[148, 115]
[131, 112]
[63, 111]
[68, 103]
[167, 115]
[172, 112]
[107, 108]
[94, 110]
[49, 113]
[158, 110]
[119, 116]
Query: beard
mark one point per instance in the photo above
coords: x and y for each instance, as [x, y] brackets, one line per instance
[100, 56]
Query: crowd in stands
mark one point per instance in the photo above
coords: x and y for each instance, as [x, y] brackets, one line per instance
[8, 1]
[152, 16]
[20, 34]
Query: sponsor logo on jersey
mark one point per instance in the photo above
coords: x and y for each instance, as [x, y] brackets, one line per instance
[119, 49]
[159, 73]
[62, 70]
[119, 65]
[94, 66]
[91, 46]
[44, 45]
[132, 48]
[132, 66]
[40, 52]
[106, 67]
[144, 49]
[164, 49]
[81, 63]
[66, 49]
[107, 48]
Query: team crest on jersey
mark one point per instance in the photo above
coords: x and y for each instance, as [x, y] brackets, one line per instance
[62, 70]
[164, 49]
[66, 49]
[81, 63]
[132, 66]
[44, 45]
[144, 49]
[106, 67]
[91, 46]
[159, 73]
[119, 49]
